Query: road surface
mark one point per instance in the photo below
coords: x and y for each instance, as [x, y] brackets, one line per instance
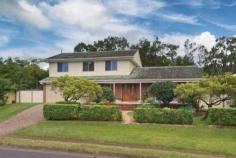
[28, 153]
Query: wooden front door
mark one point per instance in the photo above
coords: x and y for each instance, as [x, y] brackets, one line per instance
[129, 92]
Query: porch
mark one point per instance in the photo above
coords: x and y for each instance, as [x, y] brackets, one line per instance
[128, 95]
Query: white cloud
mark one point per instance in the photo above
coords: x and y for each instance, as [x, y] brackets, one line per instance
[24, 12]
[3, 40]
[181, 18]
[205, 38]
[225, 26]
[86, 14]
[137, 8]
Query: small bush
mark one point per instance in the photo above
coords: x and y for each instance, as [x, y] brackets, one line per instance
[60, 112]
[222, 116]
[151, 106]
[108, 94]
[99, 113]
[166, 116]
[66, 102]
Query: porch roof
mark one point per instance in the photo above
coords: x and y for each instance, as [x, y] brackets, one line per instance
[148, 74]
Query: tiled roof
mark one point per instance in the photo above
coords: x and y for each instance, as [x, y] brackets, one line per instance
[78, 55]
[155, 73]
[167, 72]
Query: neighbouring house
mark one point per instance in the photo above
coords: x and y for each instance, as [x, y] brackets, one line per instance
[121, 70]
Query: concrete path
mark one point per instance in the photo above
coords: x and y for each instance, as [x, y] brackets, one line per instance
[127, 119]
[21, 120]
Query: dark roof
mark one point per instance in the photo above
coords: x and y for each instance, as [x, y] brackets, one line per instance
[155, 73]
[125, 53]
[167, 72]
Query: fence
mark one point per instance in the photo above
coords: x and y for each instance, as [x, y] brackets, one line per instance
[29, 96]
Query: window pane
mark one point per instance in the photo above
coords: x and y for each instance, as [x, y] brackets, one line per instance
[114, 65]
[85, 66]
[108, 65]
[91, 66]
[62, 67]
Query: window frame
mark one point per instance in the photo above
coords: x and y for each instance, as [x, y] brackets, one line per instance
[112, 65]
[88, 66]
[62, 66]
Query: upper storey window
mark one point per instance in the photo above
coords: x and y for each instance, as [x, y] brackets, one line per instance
[62, 67]
[88, 66]
[111, 65]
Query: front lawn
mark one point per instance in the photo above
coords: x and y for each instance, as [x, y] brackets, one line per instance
[8, 111]
[199, 138]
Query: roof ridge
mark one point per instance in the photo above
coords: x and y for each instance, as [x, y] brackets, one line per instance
[108, 51]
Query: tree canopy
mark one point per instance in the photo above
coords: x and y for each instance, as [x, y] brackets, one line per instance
[219, 59]
[22, 74]
[212, 90]
[75, 88]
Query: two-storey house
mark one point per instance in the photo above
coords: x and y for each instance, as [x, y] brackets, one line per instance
[121, 70]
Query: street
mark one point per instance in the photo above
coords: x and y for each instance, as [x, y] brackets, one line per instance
[30, 153]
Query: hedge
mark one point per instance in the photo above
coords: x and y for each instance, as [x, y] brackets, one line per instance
[166, 116]
[67, 102]
[222, 116]
[60, 112]
[100, 113]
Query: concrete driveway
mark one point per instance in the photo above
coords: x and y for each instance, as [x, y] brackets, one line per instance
[21, 120]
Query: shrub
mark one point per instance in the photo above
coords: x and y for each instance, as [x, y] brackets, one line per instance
[60, 112]
[222, 116]
[163, 91]
[99, 113]
[67, 102]
[107, 94]
[151, 106]
[167, 116]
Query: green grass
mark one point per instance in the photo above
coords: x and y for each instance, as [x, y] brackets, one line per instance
[8, 111]
[99, 148]
[199, 138]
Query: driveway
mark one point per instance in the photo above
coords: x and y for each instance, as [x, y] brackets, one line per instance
[21, 120]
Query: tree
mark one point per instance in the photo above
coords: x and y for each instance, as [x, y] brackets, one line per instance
[212, 90]
[75, 88]
[189, 93]
[5, 86]
[22, 74]
[218, 89]
[108, 94]
[221, 58]
[108, 44]
[163, 91]
[156, 53]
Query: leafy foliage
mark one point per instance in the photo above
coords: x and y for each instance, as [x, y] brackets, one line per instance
[5, 86]
[60, 112]
[100, 113]
[163, 91]
[167, 116]
[189, 93]
[108, 94]
[222, 116]
[212, 90]
[75, 88]
[22, 74]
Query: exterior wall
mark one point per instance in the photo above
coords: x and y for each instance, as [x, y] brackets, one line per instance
[51, 95]
[137, 59]
[29, 96]
[124, 67]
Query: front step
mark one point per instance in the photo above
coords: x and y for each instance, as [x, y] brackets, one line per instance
[127, 106]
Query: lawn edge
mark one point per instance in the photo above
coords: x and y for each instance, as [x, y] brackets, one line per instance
[104, 149]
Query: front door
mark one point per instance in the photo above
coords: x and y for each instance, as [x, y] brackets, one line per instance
[129, 92]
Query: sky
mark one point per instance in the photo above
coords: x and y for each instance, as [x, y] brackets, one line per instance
[42, 28]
